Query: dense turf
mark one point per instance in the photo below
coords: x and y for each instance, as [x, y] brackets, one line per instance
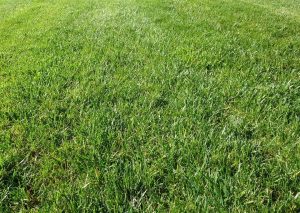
[149, 105]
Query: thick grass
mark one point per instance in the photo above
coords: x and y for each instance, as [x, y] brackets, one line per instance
[150, 105]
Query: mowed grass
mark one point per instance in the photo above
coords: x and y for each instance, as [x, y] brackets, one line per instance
[149, 105]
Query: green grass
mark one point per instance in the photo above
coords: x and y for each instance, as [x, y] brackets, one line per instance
[150, 105]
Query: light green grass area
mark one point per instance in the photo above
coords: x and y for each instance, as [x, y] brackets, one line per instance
[149, 105]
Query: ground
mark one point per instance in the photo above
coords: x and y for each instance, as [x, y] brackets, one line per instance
[149, 105]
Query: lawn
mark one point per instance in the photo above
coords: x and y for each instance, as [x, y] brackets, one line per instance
[149, 105]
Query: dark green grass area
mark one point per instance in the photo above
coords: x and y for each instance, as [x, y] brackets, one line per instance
[149, 105]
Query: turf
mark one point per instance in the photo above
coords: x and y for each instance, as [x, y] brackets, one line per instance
[149, 105]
